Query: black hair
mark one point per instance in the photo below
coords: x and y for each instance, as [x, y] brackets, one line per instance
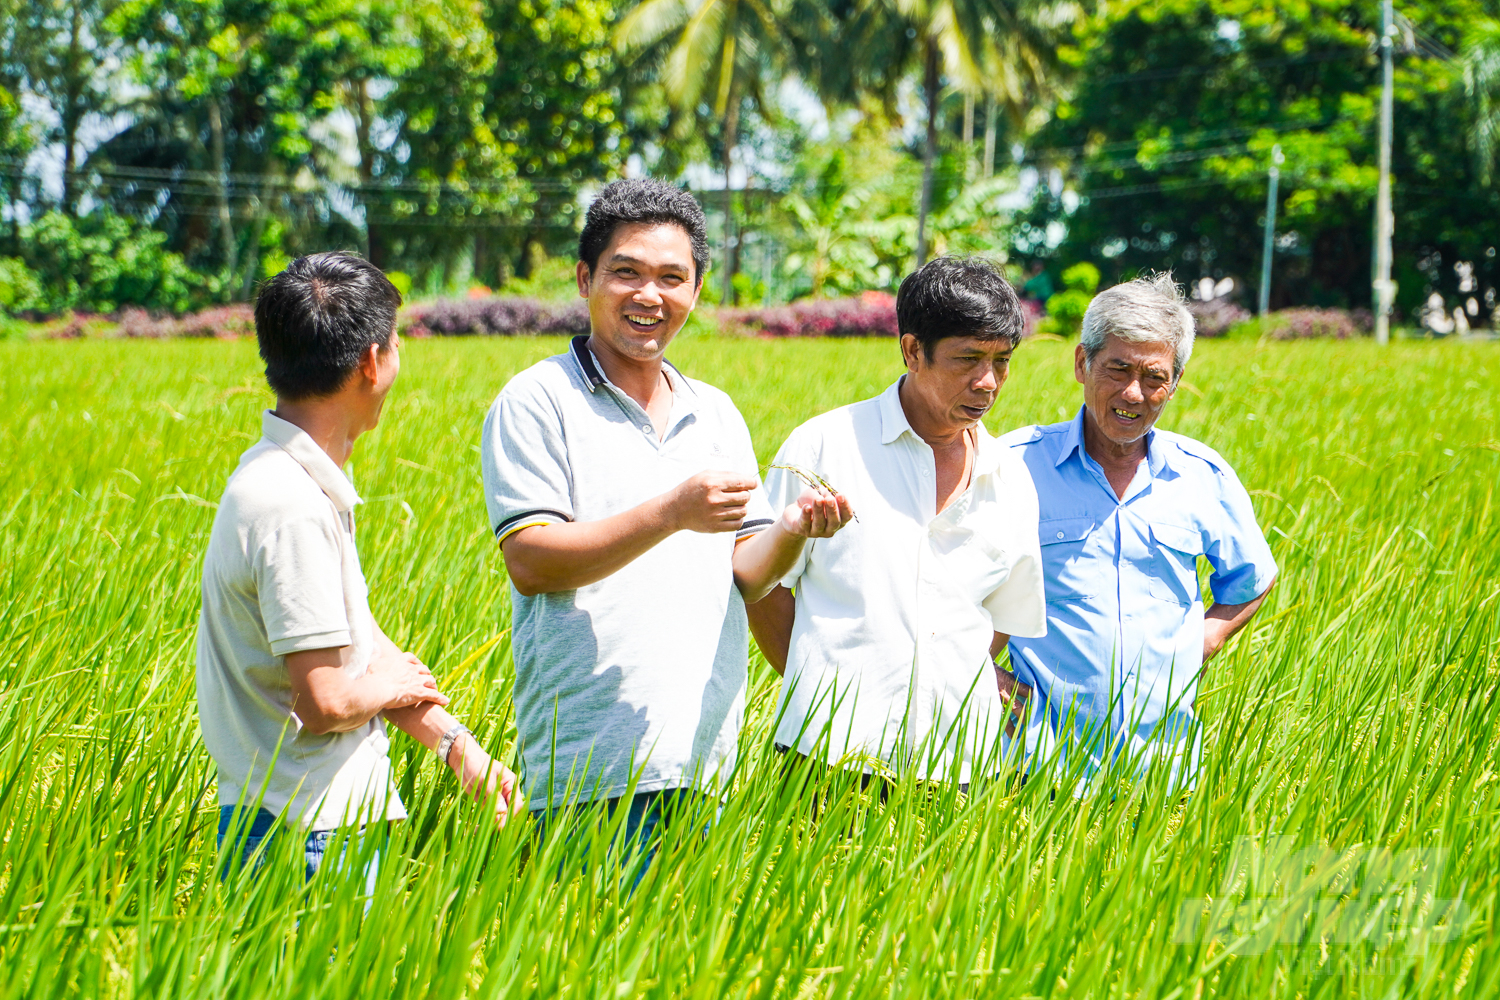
[317, 318]
[641, 199]
[958, 297]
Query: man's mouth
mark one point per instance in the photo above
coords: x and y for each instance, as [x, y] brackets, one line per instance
[974, 411]
[644, 322]
[1125, 414]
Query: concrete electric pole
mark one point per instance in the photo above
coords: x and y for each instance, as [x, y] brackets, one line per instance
[1384, 220]
[1270, 244]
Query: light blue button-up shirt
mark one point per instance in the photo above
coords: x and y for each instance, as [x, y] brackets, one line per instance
[1118, 667]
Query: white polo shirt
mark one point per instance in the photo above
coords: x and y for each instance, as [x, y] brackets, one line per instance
[889, 655]
[643, 672]
[282, 575]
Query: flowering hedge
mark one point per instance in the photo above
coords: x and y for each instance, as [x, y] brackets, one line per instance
[1214, 317]
[870, 315]
[223, 322]
[497, 317]
[1301, 324]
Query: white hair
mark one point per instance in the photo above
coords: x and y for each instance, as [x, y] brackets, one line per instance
[1149, 310]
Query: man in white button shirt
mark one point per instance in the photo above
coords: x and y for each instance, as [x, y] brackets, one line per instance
[295, 678]
[888, 630]
[626, 501]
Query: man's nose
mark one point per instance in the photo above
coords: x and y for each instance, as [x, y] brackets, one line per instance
[988, 382]
[648, 294]
[1134, 393]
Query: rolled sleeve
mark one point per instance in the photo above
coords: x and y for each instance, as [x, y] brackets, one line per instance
[759, 513]
[300, 586]
[524, 461]
[1243, 567]
[782, 488]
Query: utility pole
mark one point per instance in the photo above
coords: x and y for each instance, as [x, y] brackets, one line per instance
[1384, 220]
[1270, 243]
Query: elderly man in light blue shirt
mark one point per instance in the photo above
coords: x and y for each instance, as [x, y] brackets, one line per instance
[1126, 513]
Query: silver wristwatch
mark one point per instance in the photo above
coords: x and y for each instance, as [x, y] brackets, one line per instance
[445, 745]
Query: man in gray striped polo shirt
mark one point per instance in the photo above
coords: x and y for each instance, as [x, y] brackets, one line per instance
[626, 500]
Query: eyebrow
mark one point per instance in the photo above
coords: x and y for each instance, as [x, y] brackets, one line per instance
[620, 258]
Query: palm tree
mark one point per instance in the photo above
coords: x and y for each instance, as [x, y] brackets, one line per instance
[1481, 68]
[717, 48]
[1003, 50]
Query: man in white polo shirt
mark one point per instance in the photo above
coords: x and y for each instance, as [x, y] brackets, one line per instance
[626, 501]
[888, 643]
[295, 678]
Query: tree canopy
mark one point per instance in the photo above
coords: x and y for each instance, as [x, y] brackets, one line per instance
[458, 141]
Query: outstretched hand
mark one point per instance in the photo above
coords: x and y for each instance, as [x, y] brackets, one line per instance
[816, 514]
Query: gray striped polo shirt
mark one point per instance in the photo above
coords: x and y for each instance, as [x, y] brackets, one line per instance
[643, 673]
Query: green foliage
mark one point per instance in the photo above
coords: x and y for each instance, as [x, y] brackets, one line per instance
[1354, 714]
[20, 288]
[1177, 109]
[1065, 312]
[1081, 277]
[102, 262]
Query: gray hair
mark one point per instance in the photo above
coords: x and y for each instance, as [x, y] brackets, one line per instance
[1149, 310]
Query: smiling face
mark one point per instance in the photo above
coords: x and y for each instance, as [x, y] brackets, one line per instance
[1126, 387]
[642, 290]
[958, 385]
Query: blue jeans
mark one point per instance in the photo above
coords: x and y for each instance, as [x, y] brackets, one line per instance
[255, 829]
[648, 816]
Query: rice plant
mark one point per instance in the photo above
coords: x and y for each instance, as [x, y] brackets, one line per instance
[1344, 838]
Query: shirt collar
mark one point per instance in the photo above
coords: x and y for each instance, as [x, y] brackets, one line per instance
[594, 377]
[297, 443]
[893, 422]
[988, 456]
[1156, 457]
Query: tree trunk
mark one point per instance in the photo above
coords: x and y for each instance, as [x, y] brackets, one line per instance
[989, 137]
[71, 114]
[968, 137]
[929, 147]
[731, 137]
[364, 117]
[268, 188]
[221, 194]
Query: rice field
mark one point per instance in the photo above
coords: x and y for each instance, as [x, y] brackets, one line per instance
[1344, 839]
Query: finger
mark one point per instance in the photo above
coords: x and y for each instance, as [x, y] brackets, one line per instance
[846, 512]
[819, 526]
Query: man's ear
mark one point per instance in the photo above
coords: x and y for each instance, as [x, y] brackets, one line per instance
[911, 349]
[369, 364]
[581, 272]
[1080, 364]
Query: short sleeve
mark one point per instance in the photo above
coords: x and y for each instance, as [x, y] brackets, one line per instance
[299, 581]
[783, 487]
[759, 514]
[524, 461]
[1018, 607]
[1243, 567]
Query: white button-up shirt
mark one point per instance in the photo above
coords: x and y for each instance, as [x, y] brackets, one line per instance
[889, 659]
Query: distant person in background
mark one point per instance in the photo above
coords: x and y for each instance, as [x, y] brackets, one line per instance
[1038, 287]
[1126, 512]
[626, 500]
[887, 631]
[295, 678]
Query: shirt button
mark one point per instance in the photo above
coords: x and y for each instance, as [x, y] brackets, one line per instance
[645, 428]
[1059, 534]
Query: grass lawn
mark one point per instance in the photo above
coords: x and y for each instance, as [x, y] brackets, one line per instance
[1344, 838]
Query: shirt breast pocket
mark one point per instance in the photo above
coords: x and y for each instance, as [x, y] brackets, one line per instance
[1071, 575]
[1174, 575]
